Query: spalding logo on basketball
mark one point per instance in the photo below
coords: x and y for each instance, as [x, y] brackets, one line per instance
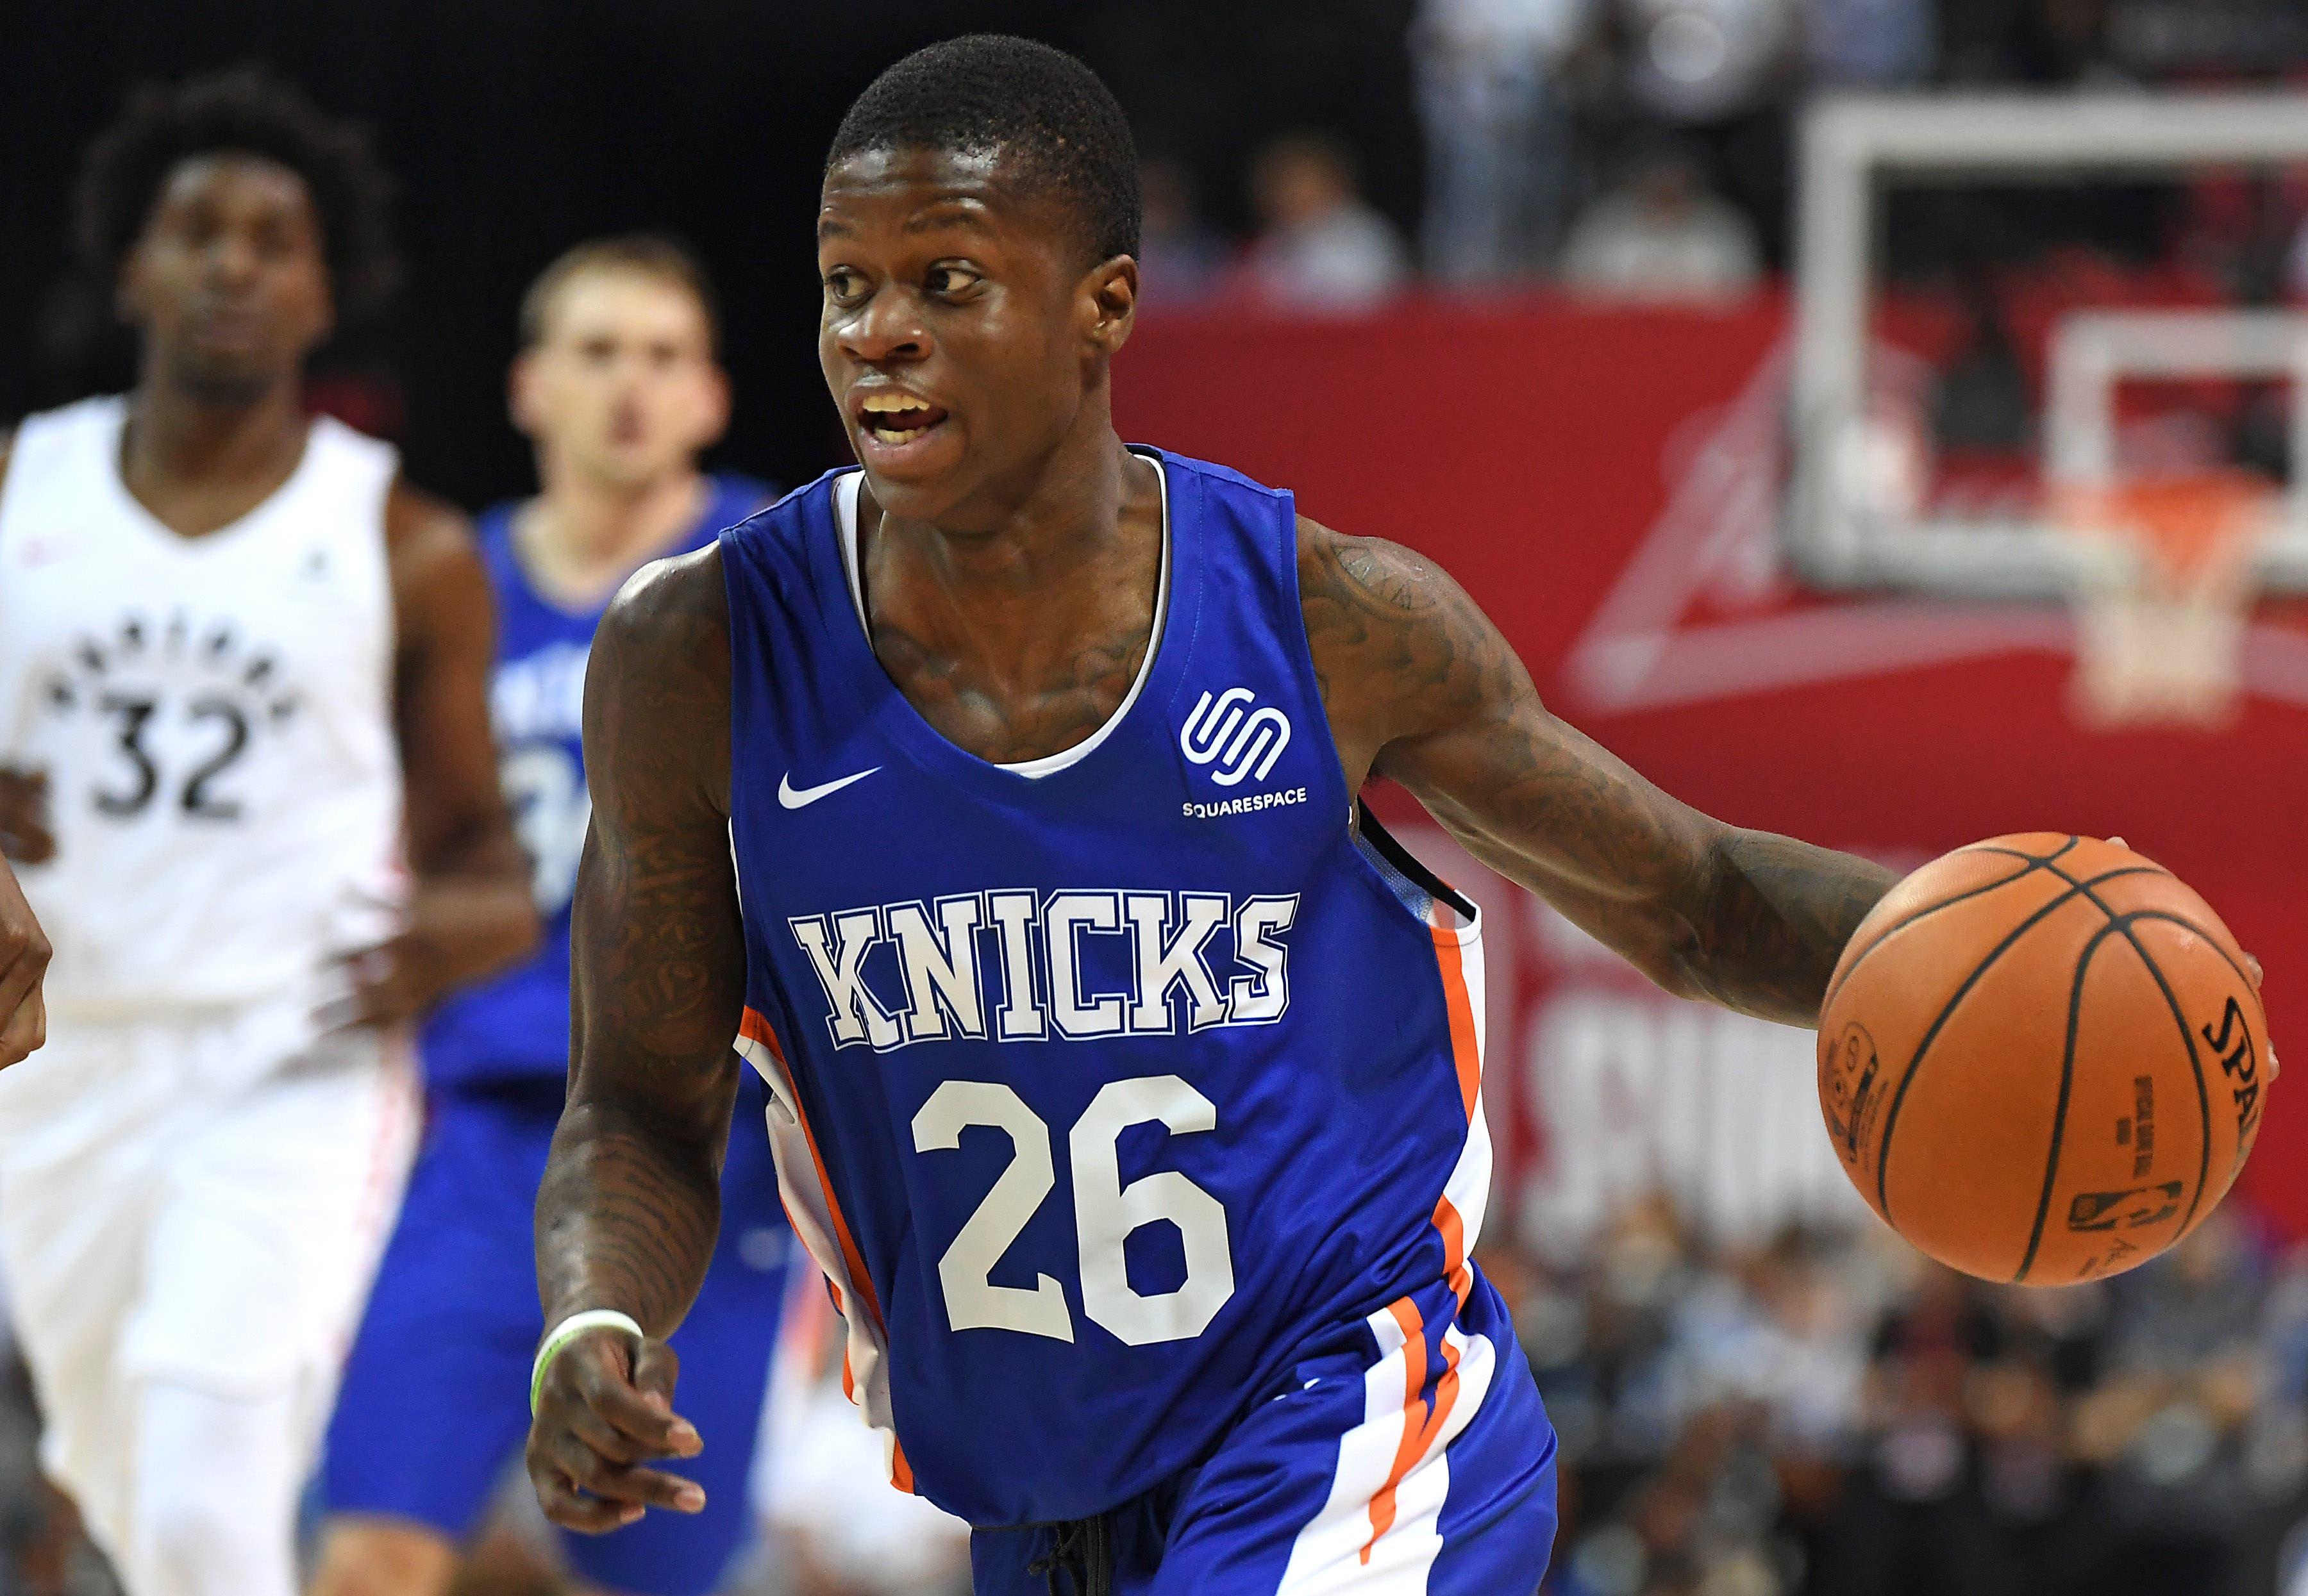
[2042, 1058]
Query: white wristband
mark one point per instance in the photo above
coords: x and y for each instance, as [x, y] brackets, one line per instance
[569, 1330]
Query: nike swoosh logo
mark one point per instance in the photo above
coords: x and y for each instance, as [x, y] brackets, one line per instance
[794, 797]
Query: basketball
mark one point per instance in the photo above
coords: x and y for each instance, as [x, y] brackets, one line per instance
[2042, 1058]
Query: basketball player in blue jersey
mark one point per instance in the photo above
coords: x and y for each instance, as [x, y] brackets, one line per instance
[24, 954]
[618, 387]
[1124, 1077]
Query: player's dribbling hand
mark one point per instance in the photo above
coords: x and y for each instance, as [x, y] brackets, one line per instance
[606, 1412]
[2251, 968]
[23, 960]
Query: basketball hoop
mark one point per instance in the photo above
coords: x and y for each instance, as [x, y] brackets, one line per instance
[2161, 608]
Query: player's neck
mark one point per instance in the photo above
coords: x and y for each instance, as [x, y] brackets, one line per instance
[174, 437]
[1077, 552]
[580, 539]
[1031, 537]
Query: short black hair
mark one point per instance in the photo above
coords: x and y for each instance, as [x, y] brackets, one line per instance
[244, 111]
[986, 92]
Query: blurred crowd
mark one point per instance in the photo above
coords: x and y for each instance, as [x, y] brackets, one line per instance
[1643, 149]
[1823, 1415]
[1828, 1415]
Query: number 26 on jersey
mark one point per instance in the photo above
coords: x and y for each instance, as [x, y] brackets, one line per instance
[1105, 1213]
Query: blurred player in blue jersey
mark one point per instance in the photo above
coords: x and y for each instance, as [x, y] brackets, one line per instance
[618, 387]
[999, 797]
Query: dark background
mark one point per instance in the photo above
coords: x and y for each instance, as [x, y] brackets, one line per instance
[517, 127]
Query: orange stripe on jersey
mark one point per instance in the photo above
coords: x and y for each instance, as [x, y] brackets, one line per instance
[1454, 1248]
[852, 1259]
[755, 1026]
[1464, 1052]
[1449, 958]
[1422, 1421]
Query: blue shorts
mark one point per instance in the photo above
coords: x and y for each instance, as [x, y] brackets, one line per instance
[1412, 1463]
[434, 1404]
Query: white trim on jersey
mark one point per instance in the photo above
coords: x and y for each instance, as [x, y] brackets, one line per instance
[845, 521]
[809, 1204]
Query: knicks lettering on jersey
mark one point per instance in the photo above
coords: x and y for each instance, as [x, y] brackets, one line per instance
[1074, 965]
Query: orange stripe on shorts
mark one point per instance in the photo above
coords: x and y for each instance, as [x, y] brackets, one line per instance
[1422, 1421]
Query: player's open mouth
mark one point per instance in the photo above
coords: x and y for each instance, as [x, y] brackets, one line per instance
[891, 419]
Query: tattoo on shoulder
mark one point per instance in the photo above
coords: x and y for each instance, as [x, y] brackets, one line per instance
[1384, 577]
[1398, 650]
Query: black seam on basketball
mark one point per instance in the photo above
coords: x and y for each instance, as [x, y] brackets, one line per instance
[1889, 931]
[2171, 1001]
[2210, 942]
[2067, 1084]
[1989, 847]
[1915, 1060]
[2168, 917]
[2153, 868]
[2035, 863]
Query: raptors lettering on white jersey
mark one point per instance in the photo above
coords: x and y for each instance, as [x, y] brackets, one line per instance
[214, 716]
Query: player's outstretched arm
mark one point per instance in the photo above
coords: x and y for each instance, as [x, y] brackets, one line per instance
[632, 1197]
[1421, 688]
[470, 911]
[23, 960]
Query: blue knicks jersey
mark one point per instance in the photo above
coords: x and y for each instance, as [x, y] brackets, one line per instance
[1106, 1092]
[517, 1026]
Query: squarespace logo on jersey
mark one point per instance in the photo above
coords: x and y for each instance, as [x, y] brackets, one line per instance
[1239, 743]
[1022, 965]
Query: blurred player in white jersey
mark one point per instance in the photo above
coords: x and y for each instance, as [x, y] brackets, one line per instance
[246, 776]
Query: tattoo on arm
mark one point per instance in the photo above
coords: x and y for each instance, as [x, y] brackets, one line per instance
[1775, 920]
[1421, 688]
[631, 1201]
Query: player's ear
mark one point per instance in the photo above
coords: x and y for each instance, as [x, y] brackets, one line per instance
[520, 393]
[128, 288]
[324, 318]
[1110, 292]
[713, 418]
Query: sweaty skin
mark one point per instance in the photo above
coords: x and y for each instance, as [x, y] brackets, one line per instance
[949, 282]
